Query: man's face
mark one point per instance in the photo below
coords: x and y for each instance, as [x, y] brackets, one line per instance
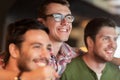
[59, 30]
[35, 50]
[105, 44]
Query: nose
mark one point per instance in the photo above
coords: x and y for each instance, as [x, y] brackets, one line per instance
[64, 22]
[113, 44]
[45, 54]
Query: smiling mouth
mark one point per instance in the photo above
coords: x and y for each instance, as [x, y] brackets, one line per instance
[41, 62]
[63, 30]
[109, 51]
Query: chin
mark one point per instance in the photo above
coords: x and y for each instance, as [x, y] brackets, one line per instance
[108, 60]
[65, 39]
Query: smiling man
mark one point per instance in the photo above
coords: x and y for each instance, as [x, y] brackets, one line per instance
[57, 16]
[28, 48]
[100, 39]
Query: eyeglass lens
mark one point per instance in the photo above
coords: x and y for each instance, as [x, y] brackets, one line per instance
[60, 17]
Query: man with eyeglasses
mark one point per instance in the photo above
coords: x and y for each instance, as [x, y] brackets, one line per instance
[56, 15]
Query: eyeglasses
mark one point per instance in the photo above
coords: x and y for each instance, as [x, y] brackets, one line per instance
[59, 17]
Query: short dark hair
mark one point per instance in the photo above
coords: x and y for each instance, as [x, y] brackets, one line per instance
[16, 30]
[45, 3]
[93, 27]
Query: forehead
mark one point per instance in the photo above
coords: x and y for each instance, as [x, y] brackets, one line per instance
[107, 31]
[39, 36]
[57, 8]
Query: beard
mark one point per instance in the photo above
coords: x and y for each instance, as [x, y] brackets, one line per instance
[22, 65]
[99, 58]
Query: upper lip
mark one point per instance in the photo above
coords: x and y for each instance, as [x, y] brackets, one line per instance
[41, 61]
[110, 51]
[63, 29]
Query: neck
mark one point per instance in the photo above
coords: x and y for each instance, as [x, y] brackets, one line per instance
[56, 45]
[93, 64]
[11, 65]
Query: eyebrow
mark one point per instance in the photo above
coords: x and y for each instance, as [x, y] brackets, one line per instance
[49, 45]
[33, 43]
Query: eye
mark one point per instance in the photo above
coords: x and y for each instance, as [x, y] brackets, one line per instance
[115, 39]
[57, 17]
[69, 18]
[106, 38]
[49, 48]
[36, 46]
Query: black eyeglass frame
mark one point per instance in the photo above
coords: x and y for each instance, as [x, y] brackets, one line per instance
[59, 17]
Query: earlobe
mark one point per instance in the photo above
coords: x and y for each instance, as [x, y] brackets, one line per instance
[14, 52]
[89, 42]
[40, 20]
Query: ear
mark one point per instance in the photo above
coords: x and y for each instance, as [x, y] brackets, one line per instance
[90, 42]
[41, 20]
[14, 51]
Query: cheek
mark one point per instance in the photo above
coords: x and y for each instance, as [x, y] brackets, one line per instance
[32, 54]
[99, 46]
[100, 43]
[24, 57]
[71, 25]
[28, 54]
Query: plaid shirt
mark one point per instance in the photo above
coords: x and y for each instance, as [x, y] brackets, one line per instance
[64, 56]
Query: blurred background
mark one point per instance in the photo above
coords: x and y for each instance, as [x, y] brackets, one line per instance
[83, 10]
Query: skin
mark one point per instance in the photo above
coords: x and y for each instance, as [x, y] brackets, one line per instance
[33, 54]
[116, 61]
[106, 44]
[35, 50]
[59, 31]
[101, 50]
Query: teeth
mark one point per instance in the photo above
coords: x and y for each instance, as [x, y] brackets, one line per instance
[110, 51]
[41, 64]
[63, 29]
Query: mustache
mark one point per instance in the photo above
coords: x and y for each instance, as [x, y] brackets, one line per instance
[43, 60]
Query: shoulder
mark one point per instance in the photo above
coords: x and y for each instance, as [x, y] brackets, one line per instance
[111, 65]
[75, 62]
[111, 68]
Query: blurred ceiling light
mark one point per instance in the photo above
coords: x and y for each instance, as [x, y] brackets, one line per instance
[111, 6]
